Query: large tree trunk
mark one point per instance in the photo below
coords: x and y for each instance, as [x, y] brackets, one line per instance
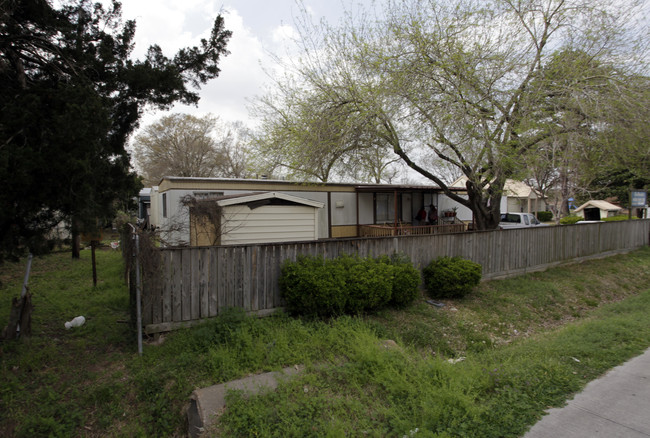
[487, 212]
[564, 193]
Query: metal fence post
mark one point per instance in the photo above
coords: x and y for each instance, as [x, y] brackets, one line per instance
[138, 289]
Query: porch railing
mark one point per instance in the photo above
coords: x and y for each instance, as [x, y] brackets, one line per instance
[409, 230]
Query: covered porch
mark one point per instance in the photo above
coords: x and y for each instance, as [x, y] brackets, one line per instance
[391, 210]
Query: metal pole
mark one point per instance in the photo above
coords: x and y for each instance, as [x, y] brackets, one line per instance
[29, 268]
[138, 293]
[23, 292]
[138, 286]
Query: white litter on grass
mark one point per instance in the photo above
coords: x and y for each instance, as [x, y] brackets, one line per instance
[459, 359]
[577, 360]
[75, 322]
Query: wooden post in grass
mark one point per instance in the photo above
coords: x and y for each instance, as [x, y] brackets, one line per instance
[93, 245]
[20, 317]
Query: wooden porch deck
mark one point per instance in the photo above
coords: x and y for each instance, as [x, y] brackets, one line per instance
[409, 230]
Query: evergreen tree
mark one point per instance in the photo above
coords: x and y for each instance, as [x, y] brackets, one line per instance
[70, 96]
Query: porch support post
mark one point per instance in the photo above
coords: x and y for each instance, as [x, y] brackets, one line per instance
[395, 212]
[329, 215]
[358, 230]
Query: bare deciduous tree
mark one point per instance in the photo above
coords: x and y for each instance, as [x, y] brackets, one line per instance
[191, 146]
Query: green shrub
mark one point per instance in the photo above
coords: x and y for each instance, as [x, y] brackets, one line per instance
[406, 280]
[620, 217]
[451, 277]
[368, 283]
[570, 220]
[545, 216]
[313, 286]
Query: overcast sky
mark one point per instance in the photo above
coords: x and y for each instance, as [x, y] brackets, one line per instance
[258, 26]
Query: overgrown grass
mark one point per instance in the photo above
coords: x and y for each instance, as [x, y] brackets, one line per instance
[520, 339]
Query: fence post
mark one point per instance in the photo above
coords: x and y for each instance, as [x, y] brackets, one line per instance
[138, 288]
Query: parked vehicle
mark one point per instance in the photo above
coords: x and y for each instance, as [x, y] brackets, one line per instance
[519, 220]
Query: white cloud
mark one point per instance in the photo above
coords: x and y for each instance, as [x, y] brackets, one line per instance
[258, 27]
[284, 34]
[241, 74]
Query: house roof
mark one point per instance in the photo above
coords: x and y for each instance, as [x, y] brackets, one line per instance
[602, 205]
[511, 188]
[519, 189]
[256, 185]
[399, 188]
[260, 197]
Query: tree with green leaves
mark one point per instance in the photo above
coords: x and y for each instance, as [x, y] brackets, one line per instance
[606, 133]
[310, 136]
[70, 96]
[462, 80]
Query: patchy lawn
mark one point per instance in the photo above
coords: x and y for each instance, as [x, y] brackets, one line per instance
[517, 338]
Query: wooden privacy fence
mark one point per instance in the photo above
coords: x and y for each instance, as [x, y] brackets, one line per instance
[189, 284]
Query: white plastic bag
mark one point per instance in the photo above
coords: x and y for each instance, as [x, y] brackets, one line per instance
[76, 322]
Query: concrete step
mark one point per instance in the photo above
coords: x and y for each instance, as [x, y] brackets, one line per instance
[207, 404]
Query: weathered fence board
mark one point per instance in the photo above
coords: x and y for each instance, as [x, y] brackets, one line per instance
[197, 283]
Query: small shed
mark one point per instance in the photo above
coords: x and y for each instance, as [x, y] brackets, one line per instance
[595, 210]
[262, 217]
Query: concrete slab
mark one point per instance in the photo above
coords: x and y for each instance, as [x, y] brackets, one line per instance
[615, 405]
[207, 403]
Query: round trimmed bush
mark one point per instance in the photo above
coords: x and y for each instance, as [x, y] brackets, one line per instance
[368, 283]
[570, 220]
[406, 281]
[313, 286]
[544, 216]
[451, 277]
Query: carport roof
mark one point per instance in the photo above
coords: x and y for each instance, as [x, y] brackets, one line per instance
[245, 198]
[602, 205]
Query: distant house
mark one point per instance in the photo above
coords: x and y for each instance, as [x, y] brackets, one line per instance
[523, 198]
[596, 210]
[518, 197]
[144, 204]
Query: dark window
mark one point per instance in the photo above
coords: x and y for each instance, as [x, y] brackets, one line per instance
[385, 208]
[200, 196]
[164, 204]
[513, 218]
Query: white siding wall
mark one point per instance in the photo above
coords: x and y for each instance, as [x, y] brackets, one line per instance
[463, 213]
[154, 210]
[271, 223]
[344, 208]
[176, 226]
[514, 206]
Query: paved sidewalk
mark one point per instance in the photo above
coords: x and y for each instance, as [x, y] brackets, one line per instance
[616, 405]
